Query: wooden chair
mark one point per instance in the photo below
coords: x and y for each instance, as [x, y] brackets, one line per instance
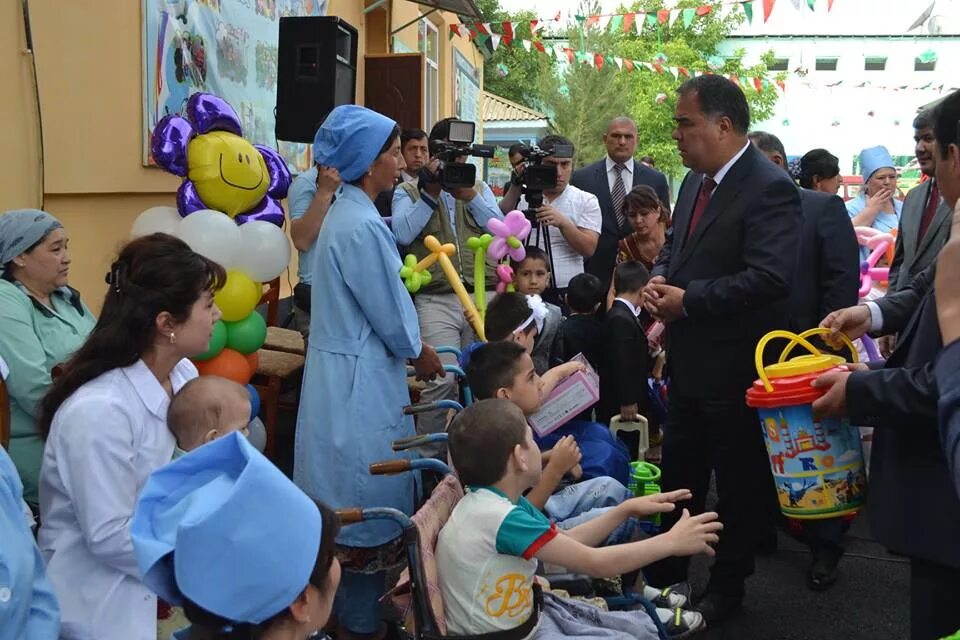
[281, 357]
[4, 415]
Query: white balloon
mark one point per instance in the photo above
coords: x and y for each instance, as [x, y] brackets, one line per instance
[157, 220]
[264, 250]
[212, 234]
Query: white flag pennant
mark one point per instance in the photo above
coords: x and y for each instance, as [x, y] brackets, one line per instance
[674, 72]
[495, 40]
[618, 61]
[639, 22]
[674, 16]
[526, 45]
[603, 22]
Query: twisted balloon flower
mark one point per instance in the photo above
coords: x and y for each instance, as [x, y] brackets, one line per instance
[509, 235]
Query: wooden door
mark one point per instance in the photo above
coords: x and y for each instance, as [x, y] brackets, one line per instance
[394, 87]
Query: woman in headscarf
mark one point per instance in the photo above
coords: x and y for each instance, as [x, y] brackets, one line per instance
[876, 206]
[206, 538]
[42, 322]
[363, 331]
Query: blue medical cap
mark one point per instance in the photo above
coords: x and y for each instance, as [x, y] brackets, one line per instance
[243, 538]
[873, 159]
[350, 139]
[21, 229]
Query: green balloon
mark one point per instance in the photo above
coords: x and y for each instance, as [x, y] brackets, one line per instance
[247, 335]
[218, 340]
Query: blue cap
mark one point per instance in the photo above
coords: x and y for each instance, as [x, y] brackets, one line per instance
[21, 229]
[873, 159]
[350, 139]
[243, 538]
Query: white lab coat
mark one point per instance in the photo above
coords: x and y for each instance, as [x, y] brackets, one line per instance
[105, 440]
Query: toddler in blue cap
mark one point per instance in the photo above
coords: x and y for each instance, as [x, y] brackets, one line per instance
[224, 534]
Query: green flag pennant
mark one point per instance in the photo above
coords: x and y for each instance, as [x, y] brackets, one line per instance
[652, 19]
[688, 15]
[616, 24]
[481, 40]
[811, 4]
[748, 10]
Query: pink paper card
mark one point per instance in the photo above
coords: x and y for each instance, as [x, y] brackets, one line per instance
[575, 394]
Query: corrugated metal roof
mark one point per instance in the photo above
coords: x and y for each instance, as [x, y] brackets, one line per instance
[496, 108]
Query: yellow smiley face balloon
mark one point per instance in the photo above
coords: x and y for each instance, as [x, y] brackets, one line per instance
[229, 173]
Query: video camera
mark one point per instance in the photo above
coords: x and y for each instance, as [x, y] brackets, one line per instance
[537, 176]
[453, 174]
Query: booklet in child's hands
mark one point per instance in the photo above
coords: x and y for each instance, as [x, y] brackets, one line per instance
[575, 394]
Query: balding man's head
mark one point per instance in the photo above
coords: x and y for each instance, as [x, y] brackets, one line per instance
[621, 139]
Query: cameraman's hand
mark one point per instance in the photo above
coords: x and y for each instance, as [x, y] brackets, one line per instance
[464, 193]
[550, 216]
[516, 176]
[433, 186]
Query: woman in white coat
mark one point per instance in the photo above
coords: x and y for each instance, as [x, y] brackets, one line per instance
[104, 421]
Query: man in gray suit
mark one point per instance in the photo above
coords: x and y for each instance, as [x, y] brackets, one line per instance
[925, 220]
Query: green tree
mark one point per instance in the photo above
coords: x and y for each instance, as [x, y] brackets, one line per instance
[512, 72]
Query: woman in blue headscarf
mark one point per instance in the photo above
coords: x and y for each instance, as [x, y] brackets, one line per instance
[362, 332]
[42, 322]
[876, 206]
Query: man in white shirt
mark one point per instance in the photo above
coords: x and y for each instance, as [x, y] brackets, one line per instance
[570, 217]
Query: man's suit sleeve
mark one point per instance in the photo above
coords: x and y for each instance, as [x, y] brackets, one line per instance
[947, 371]
[662, 264]
[840, 258]
[896, 398]
[898, 308]
[770, 251]
[897, 263]
[628, 356]
[662, 188]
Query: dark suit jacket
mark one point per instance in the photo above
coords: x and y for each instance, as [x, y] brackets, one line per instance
[912, 254]
[593, 178]
[914, 509]
[828, 261]
[626, 363]
[579, 333]
[736, 269]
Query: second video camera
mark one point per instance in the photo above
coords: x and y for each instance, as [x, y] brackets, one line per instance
[537, 176]
[452, 172]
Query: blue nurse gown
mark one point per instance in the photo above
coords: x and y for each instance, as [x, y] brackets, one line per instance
[362, 330]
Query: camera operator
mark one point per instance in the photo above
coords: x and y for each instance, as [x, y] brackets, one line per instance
[453, 216]
[514, 188]
[570, 215]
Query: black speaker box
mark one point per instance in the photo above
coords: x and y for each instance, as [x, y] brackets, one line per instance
[316, 71]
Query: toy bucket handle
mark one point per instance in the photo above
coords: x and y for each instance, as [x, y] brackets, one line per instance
[773, 335]
[819, 331]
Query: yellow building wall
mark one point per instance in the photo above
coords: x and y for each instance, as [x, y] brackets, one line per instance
[88, 63]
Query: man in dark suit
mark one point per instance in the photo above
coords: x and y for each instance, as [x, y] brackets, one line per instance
[721, 283]
[626, 358]
[914, 509]
[610, 179]
[925, 219]
[825, 279]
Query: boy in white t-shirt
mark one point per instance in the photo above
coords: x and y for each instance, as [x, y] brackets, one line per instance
[487, 551]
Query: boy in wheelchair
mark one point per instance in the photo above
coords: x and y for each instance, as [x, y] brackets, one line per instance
[487, 551]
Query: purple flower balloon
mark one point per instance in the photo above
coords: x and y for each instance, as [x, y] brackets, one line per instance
[509, 235]
[279, 173]
[269, 210]
[188, 200]
[212, 113]
[168, 144]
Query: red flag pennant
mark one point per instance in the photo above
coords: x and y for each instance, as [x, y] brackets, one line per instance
[591, 21]
[534, 25]
[758, 85]
[704, 9]
[628, 64]
[507, 31]
[782, 85]
[598, 61]
[628, 19]
[482, 27]
[683, 71]
[768, 8]
[569, 52]
[663, 15]
[539, 46]
[556, 18]
[656, 65]
[829, 5]
[507, 40]
[454, 30]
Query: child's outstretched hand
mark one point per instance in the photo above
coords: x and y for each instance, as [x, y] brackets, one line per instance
[694, 534]
[657, 502]
[565, 455]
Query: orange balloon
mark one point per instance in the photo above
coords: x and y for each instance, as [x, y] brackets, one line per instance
[253, 361]
[229, 364]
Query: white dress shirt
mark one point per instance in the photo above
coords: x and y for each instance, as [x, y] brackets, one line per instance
[583, 209]
[105, 441]
[725, 169]
[626, 174]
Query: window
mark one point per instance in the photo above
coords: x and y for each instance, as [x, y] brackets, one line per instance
[428, 41]
[826, 64]
[779, 64]
[922, 65]
[875, 64]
